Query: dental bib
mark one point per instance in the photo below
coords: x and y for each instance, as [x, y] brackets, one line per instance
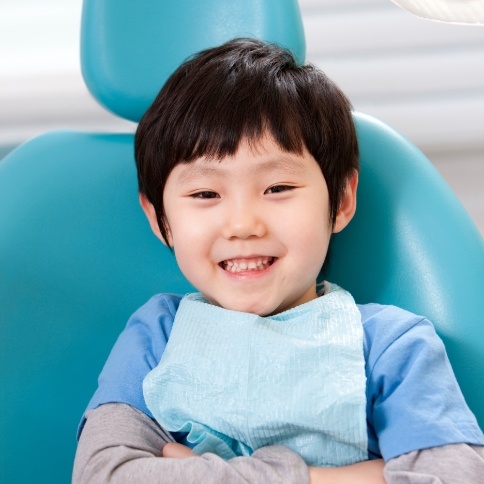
[235, 382]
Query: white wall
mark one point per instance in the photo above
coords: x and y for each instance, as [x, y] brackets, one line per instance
[425, 79]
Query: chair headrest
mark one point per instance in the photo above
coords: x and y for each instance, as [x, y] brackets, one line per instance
[129, 48]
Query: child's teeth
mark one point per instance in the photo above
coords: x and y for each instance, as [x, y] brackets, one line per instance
[253, 265]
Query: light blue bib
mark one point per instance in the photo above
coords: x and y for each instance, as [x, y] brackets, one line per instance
[236, 381]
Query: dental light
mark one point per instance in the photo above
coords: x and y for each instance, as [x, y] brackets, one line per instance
[470, 12]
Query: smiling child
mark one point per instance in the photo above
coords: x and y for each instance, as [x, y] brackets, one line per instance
[247, 164]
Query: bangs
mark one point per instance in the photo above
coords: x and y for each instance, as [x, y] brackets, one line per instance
[220, 135]
[209, 119]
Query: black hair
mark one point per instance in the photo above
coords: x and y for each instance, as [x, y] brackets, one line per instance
[244, 89]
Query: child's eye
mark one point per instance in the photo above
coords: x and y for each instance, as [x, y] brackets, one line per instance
[279, 189]
[206, 194]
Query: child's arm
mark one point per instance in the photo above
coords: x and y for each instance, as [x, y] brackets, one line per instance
[453, 464]
[367, 472]
[120, 444]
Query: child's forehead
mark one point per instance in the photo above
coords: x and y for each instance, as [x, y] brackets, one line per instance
[261, 158]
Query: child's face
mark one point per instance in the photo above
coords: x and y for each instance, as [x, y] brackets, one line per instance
[250, 232]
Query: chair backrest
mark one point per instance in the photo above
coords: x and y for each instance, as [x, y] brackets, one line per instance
[129, 49]
[77, 257]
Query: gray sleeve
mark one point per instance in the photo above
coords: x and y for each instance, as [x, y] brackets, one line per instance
[449, 464]
[120, 444]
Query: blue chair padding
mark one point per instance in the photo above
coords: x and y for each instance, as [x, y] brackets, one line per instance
[130, 48]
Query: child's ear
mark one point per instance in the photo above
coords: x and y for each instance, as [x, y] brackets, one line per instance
[347, 207]
[150, 213]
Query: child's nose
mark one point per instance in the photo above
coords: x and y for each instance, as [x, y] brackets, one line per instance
[243, 223]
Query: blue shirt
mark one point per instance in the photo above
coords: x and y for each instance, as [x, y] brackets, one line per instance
[413, 399]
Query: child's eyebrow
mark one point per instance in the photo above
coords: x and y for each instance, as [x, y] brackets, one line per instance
[283, 164]
[196, 170]
[292, 165]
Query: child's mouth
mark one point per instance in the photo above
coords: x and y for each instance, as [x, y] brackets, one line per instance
[251, 264]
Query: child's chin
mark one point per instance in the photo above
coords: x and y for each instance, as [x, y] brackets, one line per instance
[261, 308]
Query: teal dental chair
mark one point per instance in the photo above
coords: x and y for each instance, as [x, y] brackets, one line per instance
[77, 257]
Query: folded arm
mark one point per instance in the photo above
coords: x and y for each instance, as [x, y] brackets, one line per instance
[120, 444]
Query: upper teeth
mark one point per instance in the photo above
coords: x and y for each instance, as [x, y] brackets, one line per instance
[238, 265]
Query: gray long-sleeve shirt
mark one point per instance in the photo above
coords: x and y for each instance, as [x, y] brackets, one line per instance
[120, 444]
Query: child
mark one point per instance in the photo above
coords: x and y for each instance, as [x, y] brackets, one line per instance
[247, 163]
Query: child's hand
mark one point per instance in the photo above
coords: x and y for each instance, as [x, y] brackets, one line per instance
[368, 472]
[177, 451]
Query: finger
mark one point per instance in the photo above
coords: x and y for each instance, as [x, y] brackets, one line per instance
[177, 451]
